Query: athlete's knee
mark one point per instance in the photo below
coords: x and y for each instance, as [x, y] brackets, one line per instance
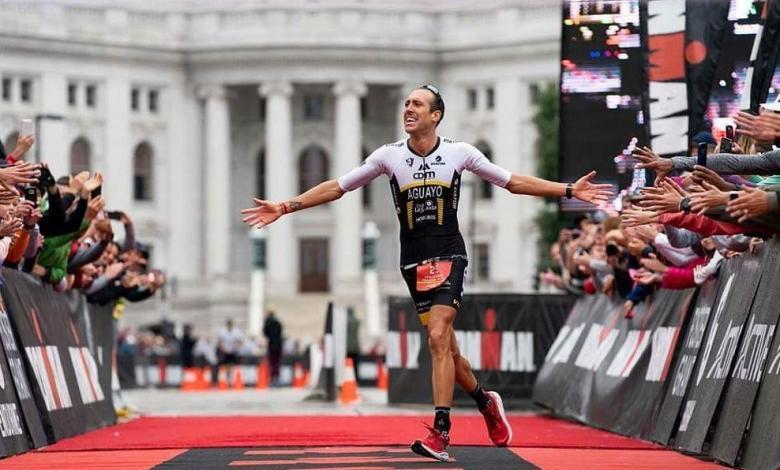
[439, 340]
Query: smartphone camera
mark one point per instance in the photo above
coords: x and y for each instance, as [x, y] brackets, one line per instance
[701, 156]
[31, 194]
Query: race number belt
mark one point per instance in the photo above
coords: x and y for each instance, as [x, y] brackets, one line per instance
[432, 273]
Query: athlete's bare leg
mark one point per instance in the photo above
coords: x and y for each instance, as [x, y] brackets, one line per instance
[449, 366]
[463, 374]
[440, 342]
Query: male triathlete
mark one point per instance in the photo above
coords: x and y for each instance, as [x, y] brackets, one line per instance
[424, 173]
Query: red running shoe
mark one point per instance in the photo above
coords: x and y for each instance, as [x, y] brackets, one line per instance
[498, 426]
[433, 446]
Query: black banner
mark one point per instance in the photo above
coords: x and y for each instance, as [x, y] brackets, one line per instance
[767, 57]
[504, 337]
[686, 361]
[101, 340]
[719, 351]
[553, 378]
[706, 24]
[761, 450]
[751, 357]
[609, 371]
[13, 357]
[13, 436]
[62, 370]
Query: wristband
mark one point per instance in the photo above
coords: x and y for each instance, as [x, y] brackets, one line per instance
[685, 205]
[284, 208]
[569, 191]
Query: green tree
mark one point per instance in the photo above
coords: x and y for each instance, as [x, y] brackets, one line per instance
[547, 122]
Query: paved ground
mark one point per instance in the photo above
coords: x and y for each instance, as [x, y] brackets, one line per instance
[282, 401]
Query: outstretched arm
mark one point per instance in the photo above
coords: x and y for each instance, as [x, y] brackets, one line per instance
[582, 189]
[267, 212]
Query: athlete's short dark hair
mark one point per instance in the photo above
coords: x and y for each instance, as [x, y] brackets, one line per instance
[438, 102]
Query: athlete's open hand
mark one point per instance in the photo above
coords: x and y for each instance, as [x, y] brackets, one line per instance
[264, 213]
[586, 191]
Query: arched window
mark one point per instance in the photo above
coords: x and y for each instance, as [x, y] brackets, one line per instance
[367, 188]
[312, 167]
[143, 172]
[484, 189]
[80, 153]
[10, 142]
[260, 174]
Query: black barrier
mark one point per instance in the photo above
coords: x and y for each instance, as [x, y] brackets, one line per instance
[718, 353]
[723, 395]
[13, 435]
[610, 371]
[13, 356]
[66, 387]
[761, 450]
[504, 337]
[686, 361]
[101, 339]
[750, 360]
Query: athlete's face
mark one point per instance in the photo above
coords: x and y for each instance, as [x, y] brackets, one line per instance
[418, 116]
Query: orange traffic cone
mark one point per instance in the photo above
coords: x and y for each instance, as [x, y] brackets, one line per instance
[381, 378]
[237, 382]
[299, 381]
[349, 389]
[207, 376]
[202, 378]
[222, 381]
[189, 379]
[262, 375]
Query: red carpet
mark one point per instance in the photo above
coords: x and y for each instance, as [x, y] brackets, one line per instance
[93, 460]
[612, 459]
[271, 431]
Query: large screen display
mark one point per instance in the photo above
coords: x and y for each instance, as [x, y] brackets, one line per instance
[602, 82]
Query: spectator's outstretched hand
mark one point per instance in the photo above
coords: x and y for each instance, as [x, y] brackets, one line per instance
[94, 206]
[91, 184]
[710, 197]
[586, 191]
[10, 226]
[19, 173]
[654, 264]
[750, 203]
[23, 144]
[663, 198]
[647, 277]
[635, 218]
[650, 160]
[702, 174]
[755, 127]
[265, 213]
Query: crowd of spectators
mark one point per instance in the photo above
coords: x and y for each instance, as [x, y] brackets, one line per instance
[59, 230]
[676, 233]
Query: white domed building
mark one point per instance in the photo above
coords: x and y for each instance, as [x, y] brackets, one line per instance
[190, 109]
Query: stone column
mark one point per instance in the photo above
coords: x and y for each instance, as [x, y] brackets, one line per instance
[217, 179]
[184, 170]
[118, 161]
[507, 253]
[54, 148]
[527, 165]
[282, 247]
[349, 210]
